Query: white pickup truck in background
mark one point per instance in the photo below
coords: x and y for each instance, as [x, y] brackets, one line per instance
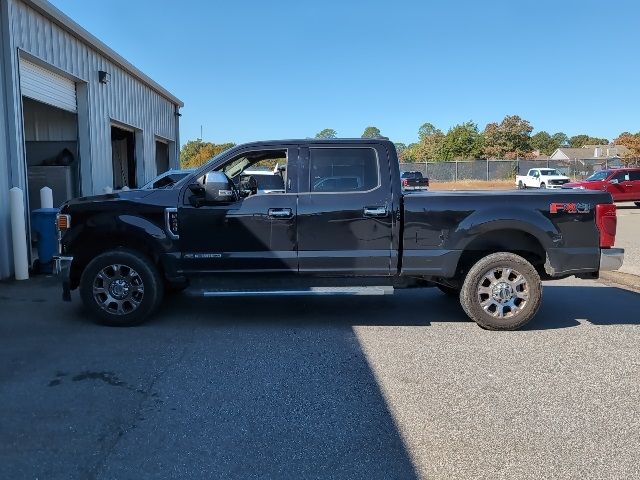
[542, 178]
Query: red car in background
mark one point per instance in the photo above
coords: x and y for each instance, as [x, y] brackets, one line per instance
[622, 183]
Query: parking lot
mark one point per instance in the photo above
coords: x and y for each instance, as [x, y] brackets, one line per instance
[381, 387]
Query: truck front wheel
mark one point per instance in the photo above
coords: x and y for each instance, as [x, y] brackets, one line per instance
[502, 291]
[121, 287]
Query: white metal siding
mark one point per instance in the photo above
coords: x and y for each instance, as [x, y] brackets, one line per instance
[47, 87]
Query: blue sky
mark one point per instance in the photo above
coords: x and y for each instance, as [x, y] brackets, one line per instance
[251, 70]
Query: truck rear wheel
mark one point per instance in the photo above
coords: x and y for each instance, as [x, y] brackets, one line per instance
[121, 287]
[502, 291]
[520, 185]
[543, 185]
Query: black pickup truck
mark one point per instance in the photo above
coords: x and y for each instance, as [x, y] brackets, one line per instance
[342, 226]
[413, 180]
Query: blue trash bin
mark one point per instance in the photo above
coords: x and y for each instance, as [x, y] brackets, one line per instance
[43, 230]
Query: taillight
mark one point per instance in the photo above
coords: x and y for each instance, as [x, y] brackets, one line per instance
[607, 222]
[405, 182]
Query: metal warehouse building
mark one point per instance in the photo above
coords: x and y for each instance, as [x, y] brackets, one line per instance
[74, 115]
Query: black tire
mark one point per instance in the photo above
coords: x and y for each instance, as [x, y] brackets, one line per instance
[501, 302]
[520, 185]
[448, 291]
[543, 185]
[637, 204]
[121, 288]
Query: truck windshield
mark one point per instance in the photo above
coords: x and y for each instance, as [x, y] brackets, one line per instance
[598, 176]
[549, 171]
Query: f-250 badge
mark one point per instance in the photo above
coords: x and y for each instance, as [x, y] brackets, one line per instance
[570, 207]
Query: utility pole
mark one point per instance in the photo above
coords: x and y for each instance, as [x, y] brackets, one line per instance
[200, 132]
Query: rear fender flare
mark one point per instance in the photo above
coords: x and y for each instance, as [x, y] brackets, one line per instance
[533, 223]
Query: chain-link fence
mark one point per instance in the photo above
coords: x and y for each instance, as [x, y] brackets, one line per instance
[453, 171]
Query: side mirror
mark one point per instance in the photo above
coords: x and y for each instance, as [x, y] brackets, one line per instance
[218, 188]
[614, 181]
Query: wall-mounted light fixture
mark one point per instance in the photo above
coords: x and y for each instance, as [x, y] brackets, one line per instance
[104, 77]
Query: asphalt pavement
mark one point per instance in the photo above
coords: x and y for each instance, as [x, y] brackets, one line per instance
[372, 387]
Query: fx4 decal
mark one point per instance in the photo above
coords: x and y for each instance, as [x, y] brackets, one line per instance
[570, 207]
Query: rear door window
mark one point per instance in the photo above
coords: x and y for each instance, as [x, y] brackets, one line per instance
[349, 169]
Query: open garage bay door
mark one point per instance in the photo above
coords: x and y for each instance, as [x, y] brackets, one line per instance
[47, 87]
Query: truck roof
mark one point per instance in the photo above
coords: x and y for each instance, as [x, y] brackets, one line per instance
[315, 141]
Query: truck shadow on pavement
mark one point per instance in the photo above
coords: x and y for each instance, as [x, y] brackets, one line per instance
[562, 307]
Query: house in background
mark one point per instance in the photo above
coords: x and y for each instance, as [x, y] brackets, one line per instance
[74, 114]
[591, 152]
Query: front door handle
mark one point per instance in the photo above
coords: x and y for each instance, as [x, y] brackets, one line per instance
[375, 211]
[280, 213]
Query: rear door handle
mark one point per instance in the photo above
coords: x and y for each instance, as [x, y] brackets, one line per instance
[280, 213]
[375, 211]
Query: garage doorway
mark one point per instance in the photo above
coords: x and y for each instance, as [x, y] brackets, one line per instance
[50, 126]
[50, 134]
[51, 151]
[123, 154]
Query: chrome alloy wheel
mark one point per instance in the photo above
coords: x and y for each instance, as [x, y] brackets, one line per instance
[503, 292]
[118, 289]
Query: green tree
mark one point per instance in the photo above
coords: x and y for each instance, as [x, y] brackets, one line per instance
[426, 129]
[462, 141]
[511, 138]
[327, 133]
[431, 147]
[546, 143]
[190, 150]
[409, 154]
[560, 139]
[371, 132]
[579, 141]
[400, 148]
[194, 157]
[542, 142]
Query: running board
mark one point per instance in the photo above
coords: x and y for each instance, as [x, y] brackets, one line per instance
[311, 291]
